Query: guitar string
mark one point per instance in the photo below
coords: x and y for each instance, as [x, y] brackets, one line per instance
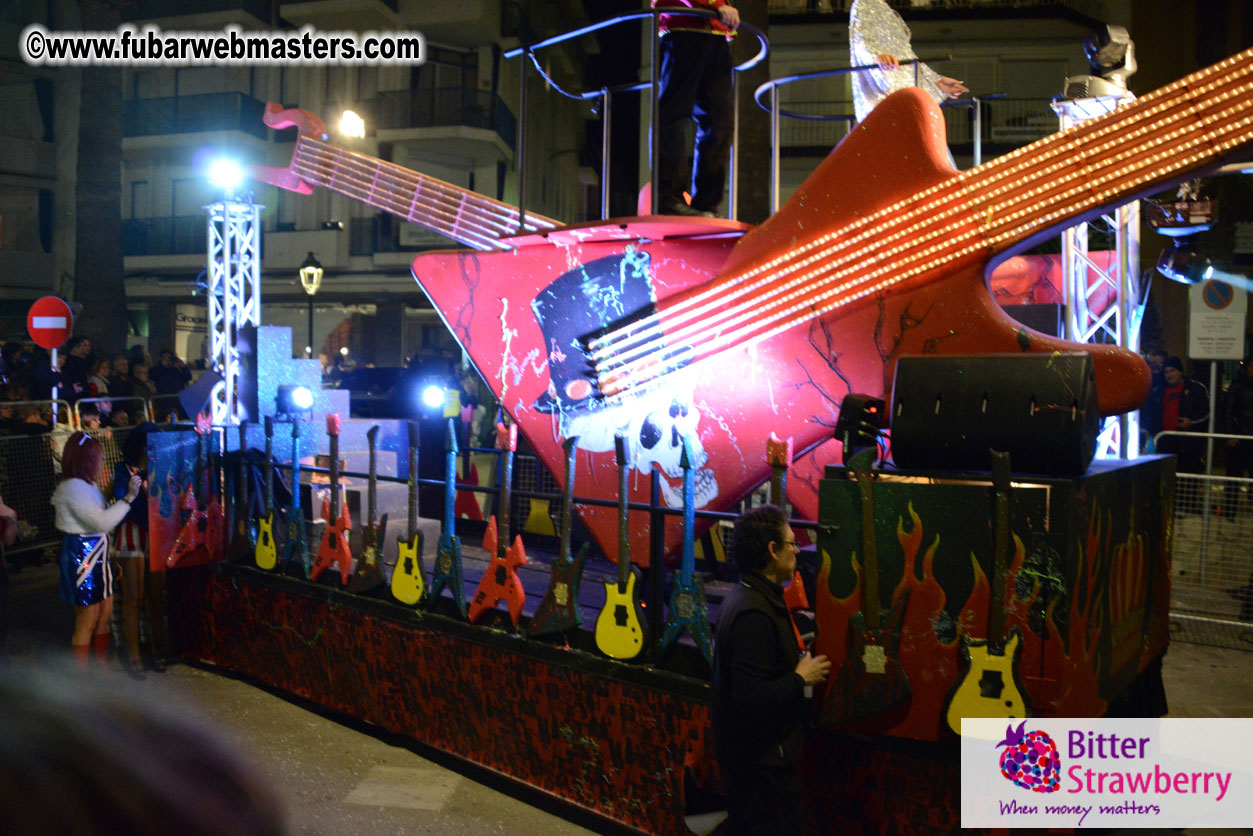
[757, 301]
[1008, 231]
[869, 224]
[642, 373]
[937, 192]
[488, 207]
[443, 213]
[655, 367]
[445, 221]
[466, 217]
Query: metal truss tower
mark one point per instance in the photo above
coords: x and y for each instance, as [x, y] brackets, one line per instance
[234, 272]
[1104, 304]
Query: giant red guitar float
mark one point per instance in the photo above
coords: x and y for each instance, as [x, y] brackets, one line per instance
[663, 328]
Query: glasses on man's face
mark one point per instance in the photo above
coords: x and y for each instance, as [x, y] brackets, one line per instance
[788, 543]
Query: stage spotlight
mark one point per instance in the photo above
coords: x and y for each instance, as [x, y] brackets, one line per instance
[226, 173]
[1181, 263]
[1111, 55]
[292, 398]
[433, 396]
[343, 351]
[350, 124]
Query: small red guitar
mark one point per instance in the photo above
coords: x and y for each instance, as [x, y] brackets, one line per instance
[333, 550]
[201, 522]
[501, 582]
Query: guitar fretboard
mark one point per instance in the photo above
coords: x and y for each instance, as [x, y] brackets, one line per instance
[463, 215]
[1175, 130]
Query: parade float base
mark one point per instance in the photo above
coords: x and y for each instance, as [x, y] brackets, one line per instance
[619, 740]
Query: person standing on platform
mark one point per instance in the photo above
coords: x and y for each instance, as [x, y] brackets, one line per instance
[85, 520]
[760, 676]
[878, 35]
[695, 82]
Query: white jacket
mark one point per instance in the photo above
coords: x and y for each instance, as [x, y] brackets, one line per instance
[81, 508]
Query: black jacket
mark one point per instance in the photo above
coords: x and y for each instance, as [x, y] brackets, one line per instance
[1239, 406]
[757, 698]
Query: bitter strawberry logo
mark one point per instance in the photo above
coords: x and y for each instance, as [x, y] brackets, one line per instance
[1030, 759]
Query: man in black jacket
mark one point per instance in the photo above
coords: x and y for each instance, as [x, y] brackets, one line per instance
[759, 678]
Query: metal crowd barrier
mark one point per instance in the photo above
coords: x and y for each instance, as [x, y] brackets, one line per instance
[1212, 572]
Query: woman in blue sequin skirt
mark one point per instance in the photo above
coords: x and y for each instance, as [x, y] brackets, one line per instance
[85, 519]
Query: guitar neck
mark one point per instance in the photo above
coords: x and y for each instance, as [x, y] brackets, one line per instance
[869, 553]
[295, 464]
[269, 466]
[412, 481]
[624, 538]
[372, 486]
[1001, 537]
[463, 215]
[688, 565]
[962, 220]
[567, 500]
[334, 468]
[506, 499]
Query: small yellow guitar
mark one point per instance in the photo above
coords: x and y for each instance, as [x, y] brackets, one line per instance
[267, 552]
[620, 625]
[408, 584]
[990, 685]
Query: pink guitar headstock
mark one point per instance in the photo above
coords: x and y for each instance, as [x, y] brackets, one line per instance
[307, 124]
[332, 423]
[203, 423]
[507, 437]
[779, 452]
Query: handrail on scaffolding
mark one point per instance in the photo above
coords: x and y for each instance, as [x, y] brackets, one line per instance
[606, 94]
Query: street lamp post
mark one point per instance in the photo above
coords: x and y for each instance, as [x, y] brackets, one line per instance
[310, 280]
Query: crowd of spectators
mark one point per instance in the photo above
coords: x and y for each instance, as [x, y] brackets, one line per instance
[27, 374]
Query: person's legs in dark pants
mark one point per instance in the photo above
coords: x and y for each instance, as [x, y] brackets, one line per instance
[714, 113]
[1239, 465]
[763, 800]
[679, 79]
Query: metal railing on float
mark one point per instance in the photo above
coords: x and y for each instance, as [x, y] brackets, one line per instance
[605, 94]
[775, 108]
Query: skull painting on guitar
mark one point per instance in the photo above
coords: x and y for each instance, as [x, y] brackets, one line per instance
[654, 427]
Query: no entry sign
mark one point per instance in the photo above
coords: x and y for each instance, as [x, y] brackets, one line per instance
[49, 322]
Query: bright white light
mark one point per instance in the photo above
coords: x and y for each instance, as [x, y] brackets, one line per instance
[226, 173]
[350, 124]
[1209, 271]
[433, 396]
[343, 352]
[302, 397]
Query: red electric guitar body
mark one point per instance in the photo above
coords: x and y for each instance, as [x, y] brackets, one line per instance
[333, 551]
[500, 581]
[660, 328]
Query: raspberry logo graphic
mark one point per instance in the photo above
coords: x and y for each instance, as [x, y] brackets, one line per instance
[1030, 759]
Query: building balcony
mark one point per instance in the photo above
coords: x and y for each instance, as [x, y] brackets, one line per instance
[137, 10]
[483, 127]
[337, 15]
[194, 114]
[181, 235]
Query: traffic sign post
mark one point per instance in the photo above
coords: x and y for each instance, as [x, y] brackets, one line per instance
[50, 322]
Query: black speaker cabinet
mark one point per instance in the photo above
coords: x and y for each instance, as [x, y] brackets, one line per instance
[949, 411]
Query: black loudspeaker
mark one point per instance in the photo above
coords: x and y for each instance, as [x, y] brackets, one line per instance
[948, 412]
